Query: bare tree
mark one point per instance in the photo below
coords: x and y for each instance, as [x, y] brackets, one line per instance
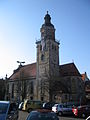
[46, 85]
[53, 85]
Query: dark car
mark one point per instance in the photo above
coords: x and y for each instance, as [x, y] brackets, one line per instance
[13, 112]
[4, 107]
[81, 111]
[42, 114]
[8, 111]
[48, 105]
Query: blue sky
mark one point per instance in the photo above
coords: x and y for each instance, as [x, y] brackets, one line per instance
[20, 23]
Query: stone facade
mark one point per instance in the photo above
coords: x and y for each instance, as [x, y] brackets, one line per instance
[22, 83]
[46, 80]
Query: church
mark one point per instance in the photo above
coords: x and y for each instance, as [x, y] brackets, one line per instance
[46, 80]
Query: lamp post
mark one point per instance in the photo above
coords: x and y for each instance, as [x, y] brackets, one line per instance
[20, 63]
[20, 86]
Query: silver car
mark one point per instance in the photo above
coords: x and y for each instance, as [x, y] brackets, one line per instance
[62, 109]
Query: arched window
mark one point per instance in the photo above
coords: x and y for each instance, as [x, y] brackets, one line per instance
[42, 98]
[42, 57]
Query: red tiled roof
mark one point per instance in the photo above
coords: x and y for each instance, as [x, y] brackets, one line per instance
[29, 70]
[68, 70]
[25, 71]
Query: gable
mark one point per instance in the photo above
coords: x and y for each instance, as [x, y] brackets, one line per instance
[68, 70]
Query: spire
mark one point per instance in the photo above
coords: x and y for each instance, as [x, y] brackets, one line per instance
[47, 19]
[47, 30]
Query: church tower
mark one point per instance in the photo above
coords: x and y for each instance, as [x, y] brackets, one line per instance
[47, 53]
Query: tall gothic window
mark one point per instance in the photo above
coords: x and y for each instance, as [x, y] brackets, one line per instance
[13, 90]
[31, 89]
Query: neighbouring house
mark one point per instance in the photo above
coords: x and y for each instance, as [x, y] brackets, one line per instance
[87, 87]
[2, 89]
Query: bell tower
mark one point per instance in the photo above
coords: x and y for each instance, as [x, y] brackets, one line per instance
[47, 51]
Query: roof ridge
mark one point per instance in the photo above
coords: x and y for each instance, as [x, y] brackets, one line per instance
[67, 64]
[30, 64]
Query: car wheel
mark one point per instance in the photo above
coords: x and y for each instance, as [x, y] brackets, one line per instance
[60, 113]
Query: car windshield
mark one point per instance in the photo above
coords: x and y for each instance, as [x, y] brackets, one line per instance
[3, 108]
[43, 116]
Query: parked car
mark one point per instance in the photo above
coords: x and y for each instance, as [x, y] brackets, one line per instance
[62, 109]
[30, 105]
[8, 111]
[81, 111]
[42, 114]
[4, 107]
[48, 105]
[13, 112]
[20, 106]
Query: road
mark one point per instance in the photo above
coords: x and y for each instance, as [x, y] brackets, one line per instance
[23, 115]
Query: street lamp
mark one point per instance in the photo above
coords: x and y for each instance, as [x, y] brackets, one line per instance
[20, 81]
[20, 62]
